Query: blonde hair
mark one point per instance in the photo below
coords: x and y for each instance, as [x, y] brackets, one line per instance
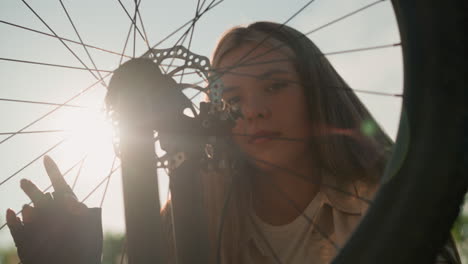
[342, 146]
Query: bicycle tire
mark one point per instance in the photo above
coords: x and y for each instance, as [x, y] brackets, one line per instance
[426, 180]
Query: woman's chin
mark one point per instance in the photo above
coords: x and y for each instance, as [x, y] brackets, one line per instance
[267, 163]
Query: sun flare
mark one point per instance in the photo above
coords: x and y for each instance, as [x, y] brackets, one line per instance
[88, 132]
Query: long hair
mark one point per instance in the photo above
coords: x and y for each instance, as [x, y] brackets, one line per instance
[347, 142]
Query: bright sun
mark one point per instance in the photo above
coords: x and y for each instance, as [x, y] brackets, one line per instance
[90, 133]
[87, 132]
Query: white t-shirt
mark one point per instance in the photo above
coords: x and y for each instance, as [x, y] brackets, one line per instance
[297, 242]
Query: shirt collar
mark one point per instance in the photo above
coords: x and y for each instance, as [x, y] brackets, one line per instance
[352, 197]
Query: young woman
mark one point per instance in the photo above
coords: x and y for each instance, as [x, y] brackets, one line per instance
[310, 165]
[307, 164]
[310, 168]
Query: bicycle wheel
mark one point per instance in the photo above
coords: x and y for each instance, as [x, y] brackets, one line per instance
[142, 44]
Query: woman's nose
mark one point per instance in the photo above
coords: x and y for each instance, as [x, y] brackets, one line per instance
[255, 108]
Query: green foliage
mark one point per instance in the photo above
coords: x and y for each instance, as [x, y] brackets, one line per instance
[112, 248]
[8, 256]
[460, 229]
[460, 234]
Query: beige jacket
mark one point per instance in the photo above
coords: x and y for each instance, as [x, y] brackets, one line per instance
[342, 207]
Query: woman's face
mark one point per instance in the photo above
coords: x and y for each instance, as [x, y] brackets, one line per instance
[275, 128]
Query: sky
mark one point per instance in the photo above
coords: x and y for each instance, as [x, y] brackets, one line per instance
[104, 24]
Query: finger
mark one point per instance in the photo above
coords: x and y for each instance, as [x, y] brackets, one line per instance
[28, 214]
[58, 182]
[74, 207]
[13, 221]
[31, 190]
[15, 225]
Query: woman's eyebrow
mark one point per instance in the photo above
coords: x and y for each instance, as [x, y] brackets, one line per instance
[264, 76]
[270, 73]
[228, 89]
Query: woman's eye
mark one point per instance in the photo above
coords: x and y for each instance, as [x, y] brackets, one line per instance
[276, 86]
[233, 100]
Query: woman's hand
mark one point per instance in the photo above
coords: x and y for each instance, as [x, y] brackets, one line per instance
[57, 228]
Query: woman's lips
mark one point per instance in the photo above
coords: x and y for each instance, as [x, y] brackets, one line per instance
[263, 136]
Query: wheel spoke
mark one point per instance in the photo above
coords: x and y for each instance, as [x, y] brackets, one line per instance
[143, 28]
[191, 38]
[107, 183]
[62, 38]
[81, 40]
[31, 132]
[78, 174]
[55, 109]
[41, 103]
[299, 175]
[131, 19]
[363, 49]
[112, 171]
[260, 43]
[53, 65]
[186, 23]
[126, 43]
[181, 40]
[299, 210]
[135, 27]
[223, 216]
[31, 162]
[53, 32]
[124, 251]
[357, 11]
